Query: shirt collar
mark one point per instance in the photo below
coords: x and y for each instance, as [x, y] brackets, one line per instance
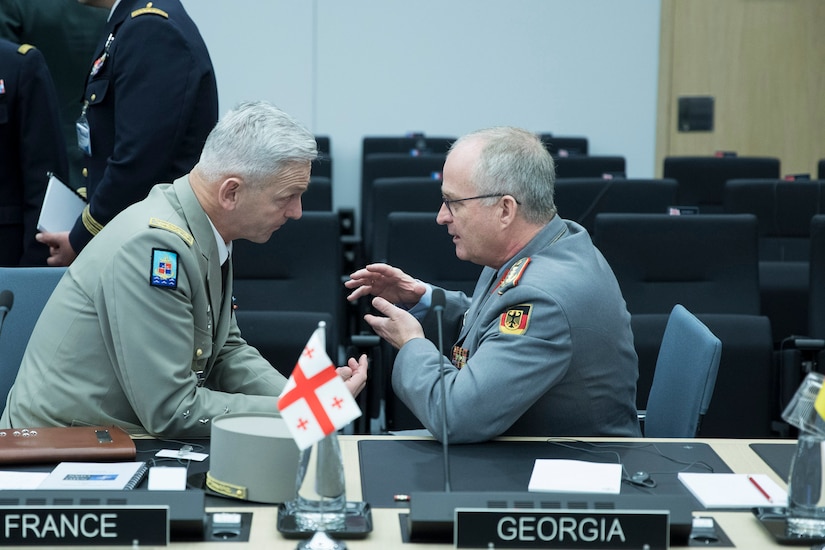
[224, 248]
[114, 7]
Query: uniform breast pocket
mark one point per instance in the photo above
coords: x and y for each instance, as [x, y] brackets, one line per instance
[4, 113]
[96, 91]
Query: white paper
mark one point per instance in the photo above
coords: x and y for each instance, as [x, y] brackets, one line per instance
[575, 476]
[167, 478]
[21, 480]
[61, 207]
[734, 490]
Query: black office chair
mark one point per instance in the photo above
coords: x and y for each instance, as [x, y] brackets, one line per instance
[31, 288]
[421, 194]
[580, 199]
[709, 264]
[820, 171]
[783, 210]
[684, 378]
[394, 165]
[564, 146]
[298, 269]
[702, 179]
[424, 249]
[590, 166]
[318, 196]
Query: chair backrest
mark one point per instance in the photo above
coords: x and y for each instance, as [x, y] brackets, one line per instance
[702, 179]
[421, 194]
[708, 263]
[395, 165]
[318, 195]
[684, 379]
[580, 199]
[322, 165]
[280, 336]
[820, 170]
[589, 166]
[298, 269]
[32, 287]
[816, 296]
[424, 249]
[564, 146]
[783, 211]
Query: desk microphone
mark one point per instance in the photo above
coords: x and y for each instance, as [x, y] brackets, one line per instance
[6, 301]
[439, 300]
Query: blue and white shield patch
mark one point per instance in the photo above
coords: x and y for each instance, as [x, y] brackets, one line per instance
[164, 268]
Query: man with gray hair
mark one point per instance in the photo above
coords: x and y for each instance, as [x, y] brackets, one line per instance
[544, 346]
[140, 333]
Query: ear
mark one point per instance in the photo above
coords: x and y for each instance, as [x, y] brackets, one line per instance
[509, 210]
[229, 193]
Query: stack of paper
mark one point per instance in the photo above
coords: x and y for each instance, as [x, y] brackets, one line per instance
[575, 476]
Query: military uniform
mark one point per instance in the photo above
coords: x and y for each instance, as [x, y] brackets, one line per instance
[31, 145]
[545, 349]
[150, 101]
[127, 331]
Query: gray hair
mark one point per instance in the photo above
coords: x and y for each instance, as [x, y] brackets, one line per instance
[255, 141]
[515, 162]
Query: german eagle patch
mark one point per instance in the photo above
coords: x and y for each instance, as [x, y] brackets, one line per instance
[515, 319]
[164, 271]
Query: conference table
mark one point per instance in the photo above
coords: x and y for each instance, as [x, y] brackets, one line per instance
[382, 456]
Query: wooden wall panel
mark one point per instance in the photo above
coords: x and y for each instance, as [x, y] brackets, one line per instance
[764, 63]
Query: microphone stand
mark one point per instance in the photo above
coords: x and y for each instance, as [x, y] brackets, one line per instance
[439, 314]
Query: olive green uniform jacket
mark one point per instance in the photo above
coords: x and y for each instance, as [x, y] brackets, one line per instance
[119, 344]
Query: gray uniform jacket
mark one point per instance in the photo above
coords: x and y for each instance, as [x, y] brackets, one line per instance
[548, 346]
[112, 348]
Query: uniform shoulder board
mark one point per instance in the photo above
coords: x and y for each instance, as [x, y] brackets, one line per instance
[149, 9]
[514, 275]
[179, 231]
[24, 49]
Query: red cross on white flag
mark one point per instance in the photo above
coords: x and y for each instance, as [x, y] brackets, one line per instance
[315, 401]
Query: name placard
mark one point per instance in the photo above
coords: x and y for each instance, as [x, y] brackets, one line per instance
[570, 529]
[84, 526]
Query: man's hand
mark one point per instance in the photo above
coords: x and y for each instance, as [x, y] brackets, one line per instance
[385, 281]
[354, 374]
[61, 252]
[398, 327]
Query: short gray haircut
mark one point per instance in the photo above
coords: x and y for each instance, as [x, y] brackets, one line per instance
[255, 141]
[515, 162]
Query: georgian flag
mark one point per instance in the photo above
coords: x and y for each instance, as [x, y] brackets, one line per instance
[315, 401]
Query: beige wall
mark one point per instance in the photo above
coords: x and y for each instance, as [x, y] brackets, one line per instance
[763, 61]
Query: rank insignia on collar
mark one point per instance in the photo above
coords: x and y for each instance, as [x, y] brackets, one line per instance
[515, 319]
[164, 271]
[513, 275]
[2, 86]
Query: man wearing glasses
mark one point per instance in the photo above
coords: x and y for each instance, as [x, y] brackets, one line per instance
[544, 346]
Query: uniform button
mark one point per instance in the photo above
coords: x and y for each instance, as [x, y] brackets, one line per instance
[199, 352]
[93, 97]
[85, 172]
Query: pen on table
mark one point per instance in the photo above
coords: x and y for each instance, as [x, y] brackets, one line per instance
[759, 487]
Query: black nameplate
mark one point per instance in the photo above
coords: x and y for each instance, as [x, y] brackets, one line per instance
[538, 528]
[84, 526]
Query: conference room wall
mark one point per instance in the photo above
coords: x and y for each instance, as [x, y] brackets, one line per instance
[444, 67]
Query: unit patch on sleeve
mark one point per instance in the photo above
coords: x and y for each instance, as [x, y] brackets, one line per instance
[515, 319]
[164, 272]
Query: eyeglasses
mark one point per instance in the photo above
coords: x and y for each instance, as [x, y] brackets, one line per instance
[448, 202]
